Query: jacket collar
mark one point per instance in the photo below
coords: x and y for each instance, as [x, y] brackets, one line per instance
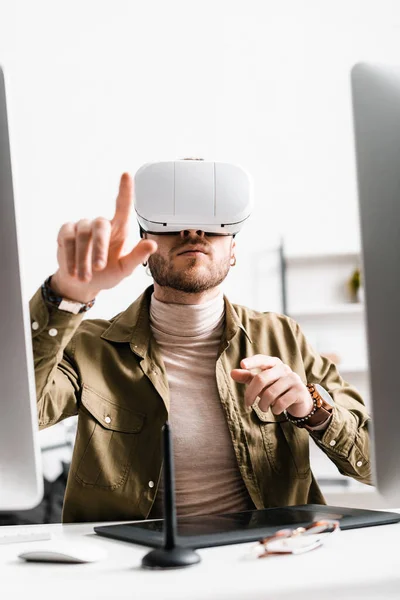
[133, 325]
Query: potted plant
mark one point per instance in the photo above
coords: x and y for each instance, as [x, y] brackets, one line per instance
[355, 286]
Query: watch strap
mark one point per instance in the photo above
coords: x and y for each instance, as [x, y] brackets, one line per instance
[50, 296]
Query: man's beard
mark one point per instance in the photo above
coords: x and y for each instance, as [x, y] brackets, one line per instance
[187, 280]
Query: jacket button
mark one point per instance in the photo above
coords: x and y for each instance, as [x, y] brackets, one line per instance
[53, 332]
[151, 484]
[35, 325]
[359, 463]
[332, 443]
[107, 419]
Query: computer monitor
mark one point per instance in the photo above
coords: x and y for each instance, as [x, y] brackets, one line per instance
[376, 110]
[21, 482]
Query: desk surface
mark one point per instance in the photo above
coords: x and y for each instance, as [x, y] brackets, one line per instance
[357, 564]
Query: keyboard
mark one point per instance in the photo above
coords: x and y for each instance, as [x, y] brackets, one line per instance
[25, 534]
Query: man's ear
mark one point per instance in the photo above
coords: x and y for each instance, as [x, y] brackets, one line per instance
[233, 247]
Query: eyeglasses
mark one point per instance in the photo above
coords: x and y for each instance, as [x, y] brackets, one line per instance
[296, 541]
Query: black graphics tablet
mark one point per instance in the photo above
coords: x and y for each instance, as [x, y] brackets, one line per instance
[233, 528]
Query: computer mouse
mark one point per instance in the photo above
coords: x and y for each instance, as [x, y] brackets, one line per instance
[65, 551]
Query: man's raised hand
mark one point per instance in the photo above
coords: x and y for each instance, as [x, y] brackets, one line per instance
[94, 255]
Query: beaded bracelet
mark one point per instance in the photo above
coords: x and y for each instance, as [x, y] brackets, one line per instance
[297, 420]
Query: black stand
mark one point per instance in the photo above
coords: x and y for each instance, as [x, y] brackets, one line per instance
[172, 555]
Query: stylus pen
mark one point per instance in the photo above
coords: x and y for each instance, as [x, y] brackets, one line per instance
[170, 524]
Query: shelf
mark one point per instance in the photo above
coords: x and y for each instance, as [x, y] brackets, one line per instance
[293, 259]
[351, 369]
[352, 487]
[322, 311]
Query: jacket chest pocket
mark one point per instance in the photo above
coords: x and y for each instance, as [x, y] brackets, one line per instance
[106, 438]
[286, 446]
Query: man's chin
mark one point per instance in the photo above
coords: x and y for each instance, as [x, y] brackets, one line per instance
[193, 278]
[188, 285]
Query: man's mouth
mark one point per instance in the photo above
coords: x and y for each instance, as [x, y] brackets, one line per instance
[193, 251]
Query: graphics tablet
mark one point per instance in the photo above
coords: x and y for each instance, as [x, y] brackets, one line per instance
[232, 528]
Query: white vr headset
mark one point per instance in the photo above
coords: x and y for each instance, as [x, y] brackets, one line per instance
[212, 197]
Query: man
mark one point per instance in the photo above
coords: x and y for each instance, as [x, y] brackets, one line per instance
[233, 381]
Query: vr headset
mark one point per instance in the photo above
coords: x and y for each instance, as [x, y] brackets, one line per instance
[213, 197]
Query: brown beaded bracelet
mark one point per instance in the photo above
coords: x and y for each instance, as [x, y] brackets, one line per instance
[297, 420]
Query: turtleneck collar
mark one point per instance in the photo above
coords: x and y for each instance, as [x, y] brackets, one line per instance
[187, 320]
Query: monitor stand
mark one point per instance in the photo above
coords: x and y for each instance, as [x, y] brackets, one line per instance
[171, 555]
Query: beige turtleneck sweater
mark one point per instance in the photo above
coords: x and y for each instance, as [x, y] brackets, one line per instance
[207, 477]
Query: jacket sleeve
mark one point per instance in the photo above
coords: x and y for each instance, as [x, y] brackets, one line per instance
[346, 440]
[56, 375]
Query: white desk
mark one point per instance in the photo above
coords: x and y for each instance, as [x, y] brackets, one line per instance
[359, 564]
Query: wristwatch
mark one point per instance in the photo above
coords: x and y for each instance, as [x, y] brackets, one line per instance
[322, 409]
[61, 303]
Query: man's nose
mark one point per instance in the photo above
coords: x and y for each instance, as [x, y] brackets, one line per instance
[185, 233]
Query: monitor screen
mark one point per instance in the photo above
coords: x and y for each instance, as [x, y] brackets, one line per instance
[21, 483]
[376, 107]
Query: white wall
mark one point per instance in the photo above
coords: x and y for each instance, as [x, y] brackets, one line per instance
[98, 87]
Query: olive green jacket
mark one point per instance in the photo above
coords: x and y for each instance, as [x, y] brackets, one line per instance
[111, 374]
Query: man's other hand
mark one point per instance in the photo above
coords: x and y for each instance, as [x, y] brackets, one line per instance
[275, 384]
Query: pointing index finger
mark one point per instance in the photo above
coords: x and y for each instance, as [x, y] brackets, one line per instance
[124, 201]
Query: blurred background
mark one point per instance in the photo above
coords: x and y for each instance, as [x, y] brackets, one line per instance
[96, 88]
